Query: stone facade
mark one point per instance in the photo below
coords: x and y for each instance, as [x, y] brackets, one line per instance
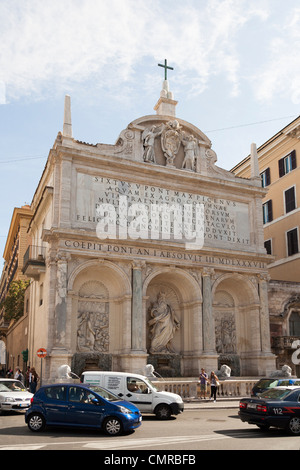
[125, 286]
[284, 311]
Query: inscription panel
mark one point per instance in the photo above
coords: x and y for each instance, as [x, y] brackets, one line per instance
[226, 222]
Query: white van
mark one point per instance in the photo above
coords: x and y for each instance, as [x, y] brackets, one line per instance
[137, 389]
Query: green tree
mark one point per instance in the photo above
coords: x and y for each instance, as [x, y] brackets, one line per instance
[14, 301]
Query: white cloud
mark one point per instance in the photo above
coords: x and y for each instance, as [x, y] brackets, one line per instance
[280, 74]
[53, 45]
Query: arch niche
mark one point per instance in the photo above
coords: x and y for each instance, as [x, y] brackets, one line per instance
[177, 353]
[236, 311]
[100, 314]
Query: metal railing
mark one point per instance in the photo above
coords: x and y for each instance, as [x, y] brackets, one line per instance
[34, 253]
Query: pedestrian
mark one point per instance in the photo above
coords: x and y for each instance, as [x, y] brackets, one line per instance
[214, 383]
[19, 376]
[203, 378]
[33, 380]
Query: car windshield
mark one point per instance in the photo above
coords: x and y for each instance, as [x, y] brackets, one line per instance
[150, 384]
[275, 394]
[266, 383]
[11, 386]
[104, 393]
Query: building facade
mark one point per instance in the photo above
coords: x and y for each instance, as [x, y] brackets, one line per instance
[14, 335]
[147, 252]
[279, 168]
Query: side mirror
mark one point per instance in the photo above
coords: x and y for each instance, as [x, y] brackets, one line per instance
[95, 401]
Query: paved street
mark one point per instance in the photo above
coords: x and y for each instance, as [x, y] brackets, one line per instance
[202, 426]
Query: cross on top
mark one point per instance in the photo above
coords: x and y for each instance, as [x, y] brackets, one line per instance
[166, 67]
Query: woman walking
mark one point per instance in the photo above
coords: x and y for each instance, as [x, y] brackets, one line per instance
[214, 383]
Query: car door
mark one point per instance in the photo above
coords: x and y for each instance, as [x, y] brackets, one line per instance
[55, 404]
[139, 394]
[81, 410]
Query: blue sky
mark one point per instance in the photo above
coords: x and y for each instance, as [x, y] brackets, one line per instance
[236, 75]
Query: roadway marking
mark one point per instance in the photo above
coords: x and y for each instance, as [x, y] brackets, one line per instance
[21, 447]
[114, 443]
[118, 444]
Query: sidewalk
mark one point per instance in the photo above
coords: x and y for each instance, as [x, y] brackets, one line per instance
[196, 403]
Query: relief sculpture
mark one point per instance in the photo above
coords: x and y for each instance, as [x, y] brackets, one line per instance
[170, 141]
[225, 334]
[172, 137]
[92, 332]
[93, 318]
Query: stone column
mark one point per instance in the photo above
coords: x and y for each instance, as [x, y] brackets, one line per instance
[207, 313]
[60, 318]
[137, 316]
[264, 313]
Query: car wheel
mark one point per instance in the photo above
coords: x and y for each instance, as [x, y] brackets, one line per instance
[294, 426]
[112, 426]
[163, 412]
[36, 422]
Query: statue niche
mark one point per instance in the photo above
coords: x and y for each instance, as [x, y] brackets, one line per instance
[93, 318]
[163, 324]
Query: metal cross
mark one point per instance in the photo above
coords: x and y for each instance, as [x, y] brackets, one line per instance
[166, 67]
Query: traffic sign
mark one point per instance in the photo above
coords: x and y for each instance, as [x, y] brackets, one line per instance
[41, 352]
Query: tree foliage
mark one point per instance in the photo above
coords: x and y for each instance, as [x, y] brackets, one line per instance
[14, 301]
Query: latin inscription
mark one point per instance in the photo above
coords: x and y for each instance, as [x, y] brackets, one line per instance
[225, 221]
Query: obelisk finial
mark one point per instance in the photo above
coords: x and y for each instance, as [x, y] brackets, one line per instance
[67, 128]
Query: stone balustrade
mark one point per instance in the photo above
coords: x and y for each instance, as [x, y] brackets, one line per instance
[229, 388]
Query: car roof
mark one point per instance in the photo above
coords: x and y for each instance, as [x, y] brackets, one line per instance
[65, 384]
[287, 387]
[8, 380]
[109, 372]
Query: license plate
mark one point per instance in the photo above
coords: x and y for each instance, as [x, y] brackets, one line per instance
[251, 405]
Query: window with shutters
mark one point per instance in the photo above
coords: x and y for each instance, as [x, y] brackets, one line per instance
[290, 199]
[287, 163]
[292, 242]
[294, 323]
[265, 178]
[267, 212]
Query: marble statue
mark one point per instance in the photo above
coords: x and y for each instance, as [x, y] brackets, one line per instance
[285, 371]
[148, 137]
[163, 325]
[190, 146]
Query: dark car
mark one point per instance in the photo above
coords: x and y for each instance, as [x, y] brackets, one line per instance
[81, 406]
[278, 407]
[270, 382]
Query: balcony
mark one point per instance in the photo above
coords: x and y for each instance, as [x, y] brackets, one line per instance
[34, 261]
[282, 343]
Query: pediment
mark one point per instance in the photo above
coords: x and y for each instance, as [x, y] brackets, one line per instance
[169, 142]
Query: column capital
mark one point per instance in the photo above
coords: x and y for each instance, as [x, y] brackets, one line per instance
[138, 264]
[208, 272]
[264, 277]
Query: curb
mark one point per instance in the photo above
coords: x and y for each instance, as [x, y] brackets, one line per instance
[229, 403]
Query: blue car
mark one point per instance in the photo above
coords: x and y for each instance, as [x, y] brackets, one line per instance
[81, 406]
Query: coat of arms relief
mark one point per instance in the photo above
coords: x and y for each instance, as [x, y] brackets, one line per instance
[172, 136]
